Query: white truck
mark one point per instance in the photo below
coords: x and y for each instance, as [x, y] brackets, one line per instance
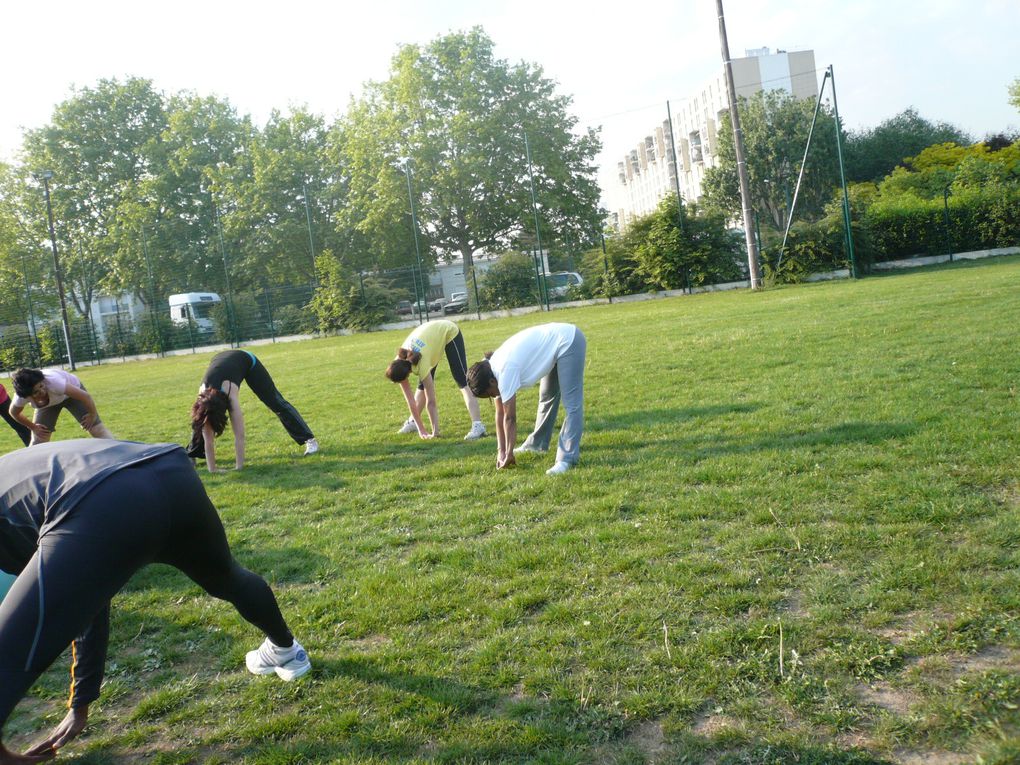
[194, 309]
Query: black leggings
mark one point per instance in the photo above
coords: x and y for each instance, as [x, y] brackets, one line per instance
[156, 511]
[457, 357]
[23, 433]
[264, 388]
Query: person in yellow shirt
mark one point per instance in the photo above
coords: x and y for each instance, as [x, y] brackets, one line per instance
[419, 355]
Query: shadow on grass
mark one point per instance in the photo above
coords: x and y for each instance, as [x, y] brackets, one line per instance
[837, 435]
[664, 415]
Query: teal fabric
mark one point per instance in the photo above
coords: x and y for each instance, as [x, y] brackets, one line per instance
[6, 580]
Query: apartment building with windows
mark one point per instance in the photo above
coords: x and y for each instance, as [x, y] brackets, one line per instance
[648, 172]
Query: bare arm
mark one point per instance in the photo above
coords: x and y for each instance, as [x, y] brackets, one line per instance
[506, 431]
[430, 403]
[16, 413]
[209, 439]
[92, 416]
[412, 406]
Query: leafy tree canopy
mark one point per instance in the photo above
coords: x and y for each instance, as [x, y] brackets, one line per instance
[775, 125]
[873, 153]
[458, 116]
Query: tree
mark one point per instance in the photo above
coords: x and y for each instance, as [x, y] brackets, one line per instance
[873, 154]
[510, 282]
[705, 252]
[460, 116]
[775, 125]
[1014, 93]
[100, 143]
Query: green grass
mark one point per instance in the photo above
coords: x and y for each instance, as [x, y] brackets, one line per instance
[827, 469]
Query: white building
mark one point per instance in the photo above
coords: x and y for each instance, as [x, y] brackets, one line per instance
[648, 172]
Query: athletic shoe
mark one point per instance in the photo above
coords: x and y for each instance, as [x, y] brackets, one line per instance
[311, 446]
[528, 449]
[559, 467]
[287, 663]
[408, 426]
[477, 431]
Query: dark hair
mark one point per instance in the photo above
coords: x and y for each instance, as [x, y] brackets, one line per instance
[212, 406]
[24, 381]
[400, 367]
[480, 376]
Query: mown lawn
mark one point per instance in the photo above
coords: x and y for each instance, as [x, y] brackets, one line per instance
[794, 537]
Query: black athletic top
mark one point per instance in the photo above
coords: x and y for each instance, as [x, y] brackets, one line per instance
[228, 365]
[40, 486]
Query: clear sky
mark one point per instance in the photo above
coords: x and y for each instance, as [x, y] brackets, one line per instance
[620, 61]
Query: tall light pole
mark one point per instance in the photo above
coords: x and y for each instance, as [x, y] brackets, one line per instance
[405, 164]
[311, 241]
[44, 176]
[753, 268]
[539, 274]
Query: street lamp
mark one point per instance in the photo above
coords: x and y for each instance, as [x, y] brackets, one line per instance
[308, 217]
[404, 163]
[44, 176]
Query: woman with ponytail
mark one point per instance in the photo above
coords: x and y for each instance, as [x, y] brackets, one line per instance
[420, 355]
[218, 401]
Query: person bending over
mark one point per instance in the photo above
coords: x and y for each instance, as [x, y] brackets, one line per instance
[77, 519]
[550, 353]
[218, 400]
[419, 355]
[49, 392]
[5, 411]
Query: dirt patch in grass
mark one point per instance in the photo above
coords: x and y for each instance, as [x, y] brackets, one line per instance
[930, 757]
[990, 658]
[881, 694]
[649, 739]
[711, 725]
[369, 642]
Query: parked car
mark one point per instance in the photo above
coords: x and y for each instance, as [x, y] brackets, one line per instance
[436, 306]
[403, 308]
[560, 282]
[457, 303]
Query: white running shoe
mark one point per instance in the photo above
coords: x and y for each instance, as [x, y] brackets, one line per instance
[559, 467]
[408, 426]
[311, 446]
[528, 449]
[477, 431]
[287, 663]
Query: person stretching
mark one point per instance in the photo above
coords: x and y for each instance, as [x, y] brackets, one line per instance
[419, 355]
[218, 399]
[554, 354]
[49, 392]
[5, 411]
[77, 519]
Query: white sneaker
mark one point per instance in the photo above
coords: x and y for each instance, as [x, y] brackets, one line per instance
[559, 467]
[311, 446]
[408, 426]
[527, 449]
[287, 663]
[477, 431]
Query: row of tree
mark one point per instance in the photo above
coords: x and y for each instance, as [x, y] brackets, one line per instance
[156, 194]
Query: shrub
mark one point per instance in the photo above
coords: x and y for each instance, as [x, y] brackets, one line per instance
[509, 282]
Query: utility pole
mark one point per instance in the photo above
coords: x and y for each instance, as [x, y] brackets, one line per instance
[539, 275]
[676, 171]
[45, 176]
[738, 144]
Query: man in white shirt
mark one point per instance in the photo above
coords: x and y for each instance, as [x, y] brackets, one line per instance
[553, 354]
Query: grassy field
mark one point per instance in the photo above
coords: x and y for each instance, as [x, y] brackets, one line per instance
[794, 537]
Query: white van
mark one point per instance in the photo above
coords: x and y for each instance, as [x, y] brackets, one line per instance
[194, 309]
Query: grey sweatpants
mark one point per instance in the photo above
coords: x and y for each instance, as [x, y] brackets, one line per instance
[566, 381]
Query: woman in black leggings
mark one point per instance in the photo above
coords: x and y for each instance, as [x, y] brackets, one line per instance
[77, 519]
[218, 400]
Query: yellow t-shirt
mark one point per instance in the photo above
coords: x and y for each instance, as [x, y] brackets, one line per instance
[430, 341]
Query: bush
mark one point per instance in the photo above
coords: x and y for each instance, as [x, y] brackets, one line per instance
[341, 302]
[509, 282]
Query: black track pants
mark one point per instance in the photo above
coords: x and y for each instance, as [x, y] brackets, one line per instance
[156, 511]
